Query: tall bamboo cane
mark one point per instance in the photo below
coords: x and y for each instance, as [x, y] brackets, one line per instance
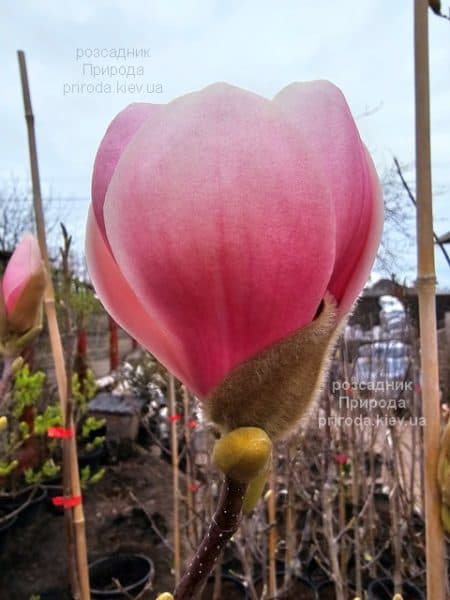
[273, 534]
[175, 478]
[70, 463]
[189, 494]
[426, 283]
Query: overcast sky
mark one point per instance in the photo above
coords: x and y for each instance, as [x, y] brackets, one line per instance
[363, 46]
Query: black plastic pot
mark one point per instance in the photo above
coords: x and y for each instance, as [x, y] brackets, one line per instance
[383, 589]
[326, 591]
[233, 565]
[382, 506]
[231, 587]
[279, 567]
[29, 502]
[301, 587]
[133, 571]
[315, 573]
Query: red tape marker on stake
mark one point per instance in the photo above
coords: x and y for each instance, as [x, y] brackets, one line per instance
[67, 502]
[192, 423]
[174, 418]
[60, 432]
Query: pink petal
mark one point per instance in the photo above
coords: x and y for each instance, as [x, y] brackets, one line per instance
[120, 300]
[364, 262]
[320, 111]
[119, 133]
[24, 263]
[221, 222]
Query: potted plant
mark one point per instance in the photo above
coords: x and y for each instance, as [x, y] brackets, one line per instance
[90, 430]
[119, 576]
[384, 589]
[27, 455]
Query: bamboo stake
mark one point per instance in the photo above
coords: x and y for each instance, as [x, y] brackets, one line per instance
[426, 283]
[189, 496]
[290, 531]
[175, 478]
[271, 507]
[70, 464]
[113, 344]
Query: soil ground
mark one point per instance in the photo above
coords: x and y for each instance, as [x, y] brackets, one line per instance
[33, 557]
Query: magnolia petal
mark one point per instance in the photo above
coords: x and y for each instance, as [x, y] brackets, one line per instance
[320, 111]
[227, 243]
[3, 317]
[118, 135]
[364, 263]
[120, 300]
[24, 264]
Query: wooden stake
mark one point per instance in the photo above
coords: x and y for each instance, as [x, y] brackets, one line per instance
[290, 535]
[426, 284]
[113, 344]
[175, 478]
[70, 463]
[271, 508]
[189, 495]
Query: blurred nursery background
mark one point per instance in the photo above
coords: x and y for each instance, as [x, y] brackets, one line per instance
[342, 514]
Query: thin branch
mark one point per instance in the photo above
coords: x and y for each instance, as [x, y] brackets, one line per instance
[151, 520]
[413, 200]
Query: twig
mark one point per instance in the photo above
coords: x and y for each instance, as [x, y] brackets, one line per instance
[5, 381]
[327, 505]
[121, 589]
[413, 200]
[273, 533]
[20, 508]
[355, 444]
[246, 566]
[140, 596]
[189, 496]
[151, 520]
[175, 479]
[435, 6]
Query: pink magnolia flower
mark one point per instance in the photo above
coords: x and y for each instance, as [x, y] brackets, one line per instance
[222, 220]
[22, 289]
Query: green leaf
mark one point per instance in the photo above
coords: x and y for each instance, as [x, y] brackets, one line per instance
[27, 389]
[7, 468]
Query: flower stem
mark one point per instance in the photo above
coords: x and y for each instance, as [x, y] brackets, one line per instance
[224, 524]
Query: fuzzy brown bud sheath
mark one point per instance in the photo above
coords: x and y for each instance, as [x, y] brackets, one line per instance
[275, 388]
[224, 524]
